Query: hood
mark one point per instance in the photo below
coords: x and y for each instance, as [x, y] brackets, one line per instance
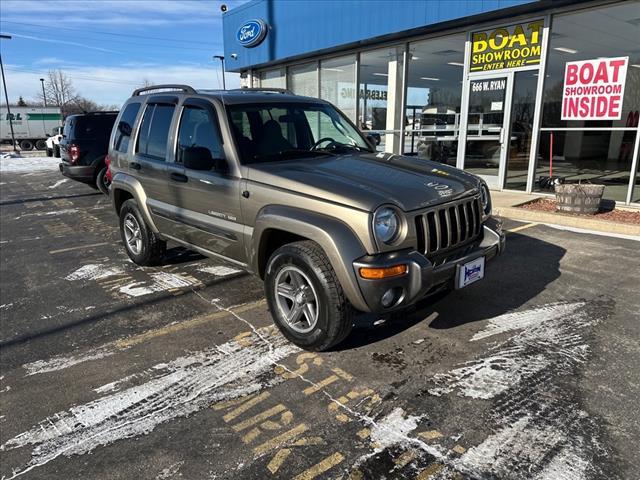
[366, 181]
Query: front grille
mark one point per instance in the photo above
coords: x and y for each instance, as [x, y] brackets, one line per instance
[448, 226]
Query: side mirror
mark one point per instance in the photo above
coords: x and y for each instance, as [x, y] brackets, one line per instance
[199, 158]
[373, 140]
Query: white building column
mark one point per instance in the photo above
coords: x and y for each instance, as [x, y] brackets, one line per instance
[395, 70]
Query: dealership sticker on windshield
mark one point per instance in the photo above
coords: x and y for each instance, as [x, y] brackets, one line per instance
[470, 272]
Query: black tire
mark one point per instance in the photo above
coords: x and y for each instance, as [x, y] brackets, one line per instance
[41, 144]
[152, 248]
[56, 151]
[334, 312]
[26, 145]
[49, 152]
[101, 181]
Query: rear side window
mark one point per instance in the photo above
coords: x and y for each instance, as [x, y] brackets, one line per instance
[84, 127]
[125, 127]
[154, 130]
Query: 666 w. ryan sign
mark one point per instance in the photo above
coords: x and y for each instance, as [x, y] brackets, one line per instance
[594, 89]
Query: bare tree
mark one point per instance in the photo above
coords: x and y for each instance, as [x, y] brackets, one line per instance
[146, 82]
[59, 90]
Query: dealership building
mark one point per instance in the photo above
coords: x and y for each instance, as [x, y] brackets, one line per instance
[516, 91]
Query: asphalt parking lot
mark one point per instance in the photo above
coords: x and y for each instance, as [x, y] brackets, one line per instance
[113, 371]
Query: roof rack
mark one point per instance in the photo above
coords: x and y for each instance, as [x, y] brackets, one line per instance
[171, 87]
[262, 89]
[101, 112]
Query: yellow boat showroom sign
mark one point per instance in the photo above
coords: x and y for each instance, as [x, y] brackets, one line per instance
[513, 46]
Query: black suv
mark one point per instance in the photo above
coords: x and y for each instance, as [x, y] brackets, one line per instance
[83, 148]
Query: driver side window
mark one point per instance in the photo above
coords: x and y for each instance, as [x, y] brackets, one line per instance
[198, 129]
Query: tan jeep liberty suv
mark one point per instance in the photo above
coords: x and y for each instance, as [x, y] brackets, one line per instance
[287, 188]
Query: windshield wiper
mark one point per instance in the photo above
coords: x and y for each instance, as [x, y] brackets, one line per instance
[292, 154]
[337, 146]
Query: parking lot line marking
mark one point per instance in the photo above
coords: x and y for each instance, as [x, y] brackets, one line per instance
[459, 449]
[233, 402]
[521, 227]
[278, 459]
[320, 385]
[281, 439]
[429, 472]
[143, 337]
[245, 406]
[430, 435]
[258, 418]
[79, 247]
[405, 458]
[321, 467]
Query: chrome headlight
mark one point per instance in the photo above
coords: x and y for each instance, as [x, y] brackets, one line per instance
[485, 198]
[386, 224]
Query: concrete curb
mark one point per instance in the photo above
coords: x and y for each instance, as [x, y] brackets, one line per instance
[567, 220]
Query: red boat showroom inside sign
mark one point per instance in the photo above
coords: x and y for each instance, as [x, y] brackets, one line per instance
[594, 89]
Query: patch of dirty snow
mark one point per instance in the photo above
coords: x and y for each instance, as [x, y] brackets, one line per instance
[12, 164]
[219, 270]
[58, 183]
[93, 271]
[182, 387]
[161, 281]
[61, 362]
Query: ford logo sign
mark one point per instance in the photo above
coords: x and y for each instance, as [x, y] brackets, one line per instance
[251, 33]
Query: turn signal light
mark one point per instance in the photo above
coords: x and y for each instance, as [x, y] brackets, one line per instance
[380, 273]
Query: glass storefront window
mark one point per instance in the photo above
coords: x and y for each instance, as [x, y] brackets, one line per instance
[303, 79]
[273, 78]
[380, 95]
[338, 84]
[434, 94]
[584, 153]
[522, 109]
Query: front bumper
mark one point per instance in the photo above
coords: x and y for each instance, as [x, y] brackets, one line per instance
[81, 173]
[423, 277]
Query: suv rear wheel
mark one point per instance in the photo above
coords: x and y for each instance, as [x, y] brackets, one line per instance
[102, 182]
[142, 245]
[305, 297]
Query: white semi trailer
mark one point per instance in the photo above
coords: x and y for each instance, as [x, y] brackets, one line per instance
[31, 125]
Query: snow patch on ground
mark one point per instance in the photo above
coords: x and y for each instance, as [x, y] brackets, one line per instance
[219, 270]
[543, 334]
[62, 361]
[180, 388]
[540, 426]
[393, 428]
[28, 164]
[58, 183]
[161, 282]
[93, 271]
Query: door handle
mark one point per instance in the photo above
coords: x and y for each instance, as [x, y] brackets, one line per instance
[178, 177]
[135, 165]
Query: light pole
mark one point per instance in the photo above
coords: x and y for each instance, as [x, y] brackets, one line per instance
[221, 58]
[6, 97]
[44, 95]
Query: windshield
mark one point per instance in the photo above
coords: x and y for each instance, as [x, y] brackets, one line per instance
[279, 131]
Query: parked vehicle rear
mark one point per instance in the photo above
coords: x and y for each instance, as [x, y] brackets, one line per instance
[83, 148]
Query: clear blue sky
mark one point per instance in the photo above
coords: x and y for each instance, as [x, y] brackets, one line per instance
[109, 47]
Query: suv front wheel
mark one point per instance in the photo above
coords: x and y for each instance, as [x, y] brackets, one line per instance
[305, 297]
[142, 245]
